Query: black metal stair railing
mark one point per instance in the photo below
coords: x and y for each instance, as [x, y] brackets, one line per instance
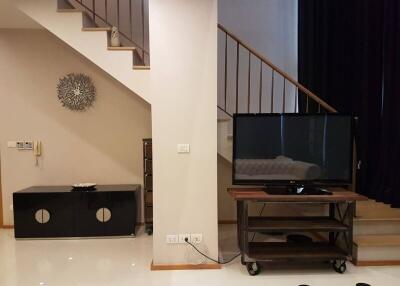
[240, 101]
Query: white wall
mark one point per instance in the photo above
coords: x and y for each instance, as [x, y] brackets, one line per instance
[183, 42]
[270, 27]
[102, 145]
[12, 18]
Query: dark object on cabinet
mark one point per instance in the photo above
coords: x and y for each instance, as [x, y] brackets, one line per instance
[59, 211]
[148, 184]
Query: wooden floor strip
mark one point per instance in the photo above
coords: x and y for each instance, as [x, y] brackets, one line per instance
[377, 240]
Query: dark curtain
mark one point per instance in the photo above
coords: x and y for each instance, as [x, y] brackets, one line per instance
[349, 55]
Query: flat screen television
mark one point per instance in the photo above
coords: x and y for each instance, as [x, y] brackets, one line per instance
[292, 149]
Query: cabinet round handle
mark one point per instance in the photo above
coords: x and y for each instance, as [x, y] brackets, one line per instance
[42, 216]
[103, 214]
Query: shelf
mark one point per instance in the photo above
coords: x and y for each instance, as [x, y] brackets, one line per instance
[291, 224]
[267, 251]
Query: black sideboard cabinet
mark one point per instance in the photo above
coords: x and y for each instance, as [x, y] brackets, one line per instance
[60, 211]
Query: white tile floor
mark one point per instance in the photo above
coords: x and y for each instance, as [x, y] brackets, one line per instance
[126, 262]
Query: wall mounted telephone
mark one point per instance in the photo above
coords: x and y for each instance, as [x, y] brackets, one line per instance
[37, 151]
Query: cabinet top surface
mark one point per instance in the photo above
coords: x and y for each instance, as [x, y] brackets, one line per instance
[67, 189]
[258, 194]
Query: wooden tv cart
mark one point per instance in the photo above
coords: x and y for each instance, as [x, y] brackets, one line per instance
[337, 225]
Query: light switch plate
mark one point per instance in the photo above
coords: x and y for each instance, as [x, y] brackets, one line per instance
[183, 148]
[172, 238]
[11, 144]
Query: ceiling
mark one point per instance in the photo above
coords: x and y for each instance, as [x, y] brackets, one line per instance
[12, 18]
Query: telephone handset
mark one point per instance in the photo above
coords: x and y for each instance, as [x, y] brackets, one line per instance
[37, 151]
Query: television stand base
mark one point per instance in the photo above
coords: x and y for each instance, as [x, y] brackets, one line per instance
[297, 190]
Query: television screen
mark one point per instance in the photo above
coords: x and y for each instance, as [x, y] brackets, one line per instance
[276, 149]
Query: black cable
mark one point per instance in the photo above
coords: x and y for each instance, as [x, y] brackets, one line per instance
[230, 260]
[216, 261]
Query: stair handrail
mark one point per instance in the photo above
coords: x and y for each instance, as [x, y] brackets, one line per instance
[286, 76]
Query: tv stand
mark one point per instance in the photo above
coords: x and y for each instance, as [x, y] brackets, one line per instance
[297, 190]
[335, 242]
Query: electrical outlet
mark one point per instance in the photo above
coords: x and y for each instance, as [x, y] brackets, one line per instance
[20, 145]
[172, 239]
[183, 236]
[196, 238]
[28, 145]
[183, 148]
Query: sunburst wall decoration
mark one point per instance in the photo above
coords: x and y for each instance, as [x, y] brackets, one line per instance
[76, 91]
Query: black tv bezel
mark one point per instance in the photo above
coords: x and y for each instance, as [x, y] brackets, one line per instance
[316, 183]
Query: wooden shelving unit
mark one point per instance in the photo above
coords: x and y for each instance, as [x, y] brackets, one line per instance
[148, 184]
[338, 225]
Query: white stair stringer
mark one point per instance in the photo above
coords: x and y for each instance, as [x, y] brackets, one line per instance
[93, 45]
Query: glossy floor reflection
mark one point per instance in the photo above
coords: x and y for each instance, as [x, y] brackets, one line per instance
[127, 261]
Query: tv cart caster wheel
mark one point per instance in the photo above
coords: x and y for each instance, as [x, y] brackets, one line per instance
[149, 231]
[339, 266]
[253, 268]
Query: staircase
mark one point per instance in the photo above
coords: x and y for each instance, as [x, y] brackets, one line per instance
[75, 27]
[250, 83]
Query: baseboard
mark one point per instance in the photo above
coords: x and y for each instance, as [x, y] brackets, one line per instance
[162, 267]
[377, 263]
[227, 222]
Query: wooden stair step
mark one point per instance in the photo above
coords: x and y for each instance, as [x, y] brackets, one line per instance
[121, 48]
[371, 210]
[377, 219]
[69, 10]
[141, 67]
[96, 29]
[223, 120]
[377, 240]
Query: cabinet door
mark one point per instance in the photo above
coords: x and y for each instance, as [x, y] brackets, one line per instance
[106, 214]
[123, 213]
[92, 214]
[43, 215]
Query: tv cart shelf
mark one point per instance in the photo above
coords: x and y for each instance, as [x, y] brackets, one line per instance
[337, 225]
